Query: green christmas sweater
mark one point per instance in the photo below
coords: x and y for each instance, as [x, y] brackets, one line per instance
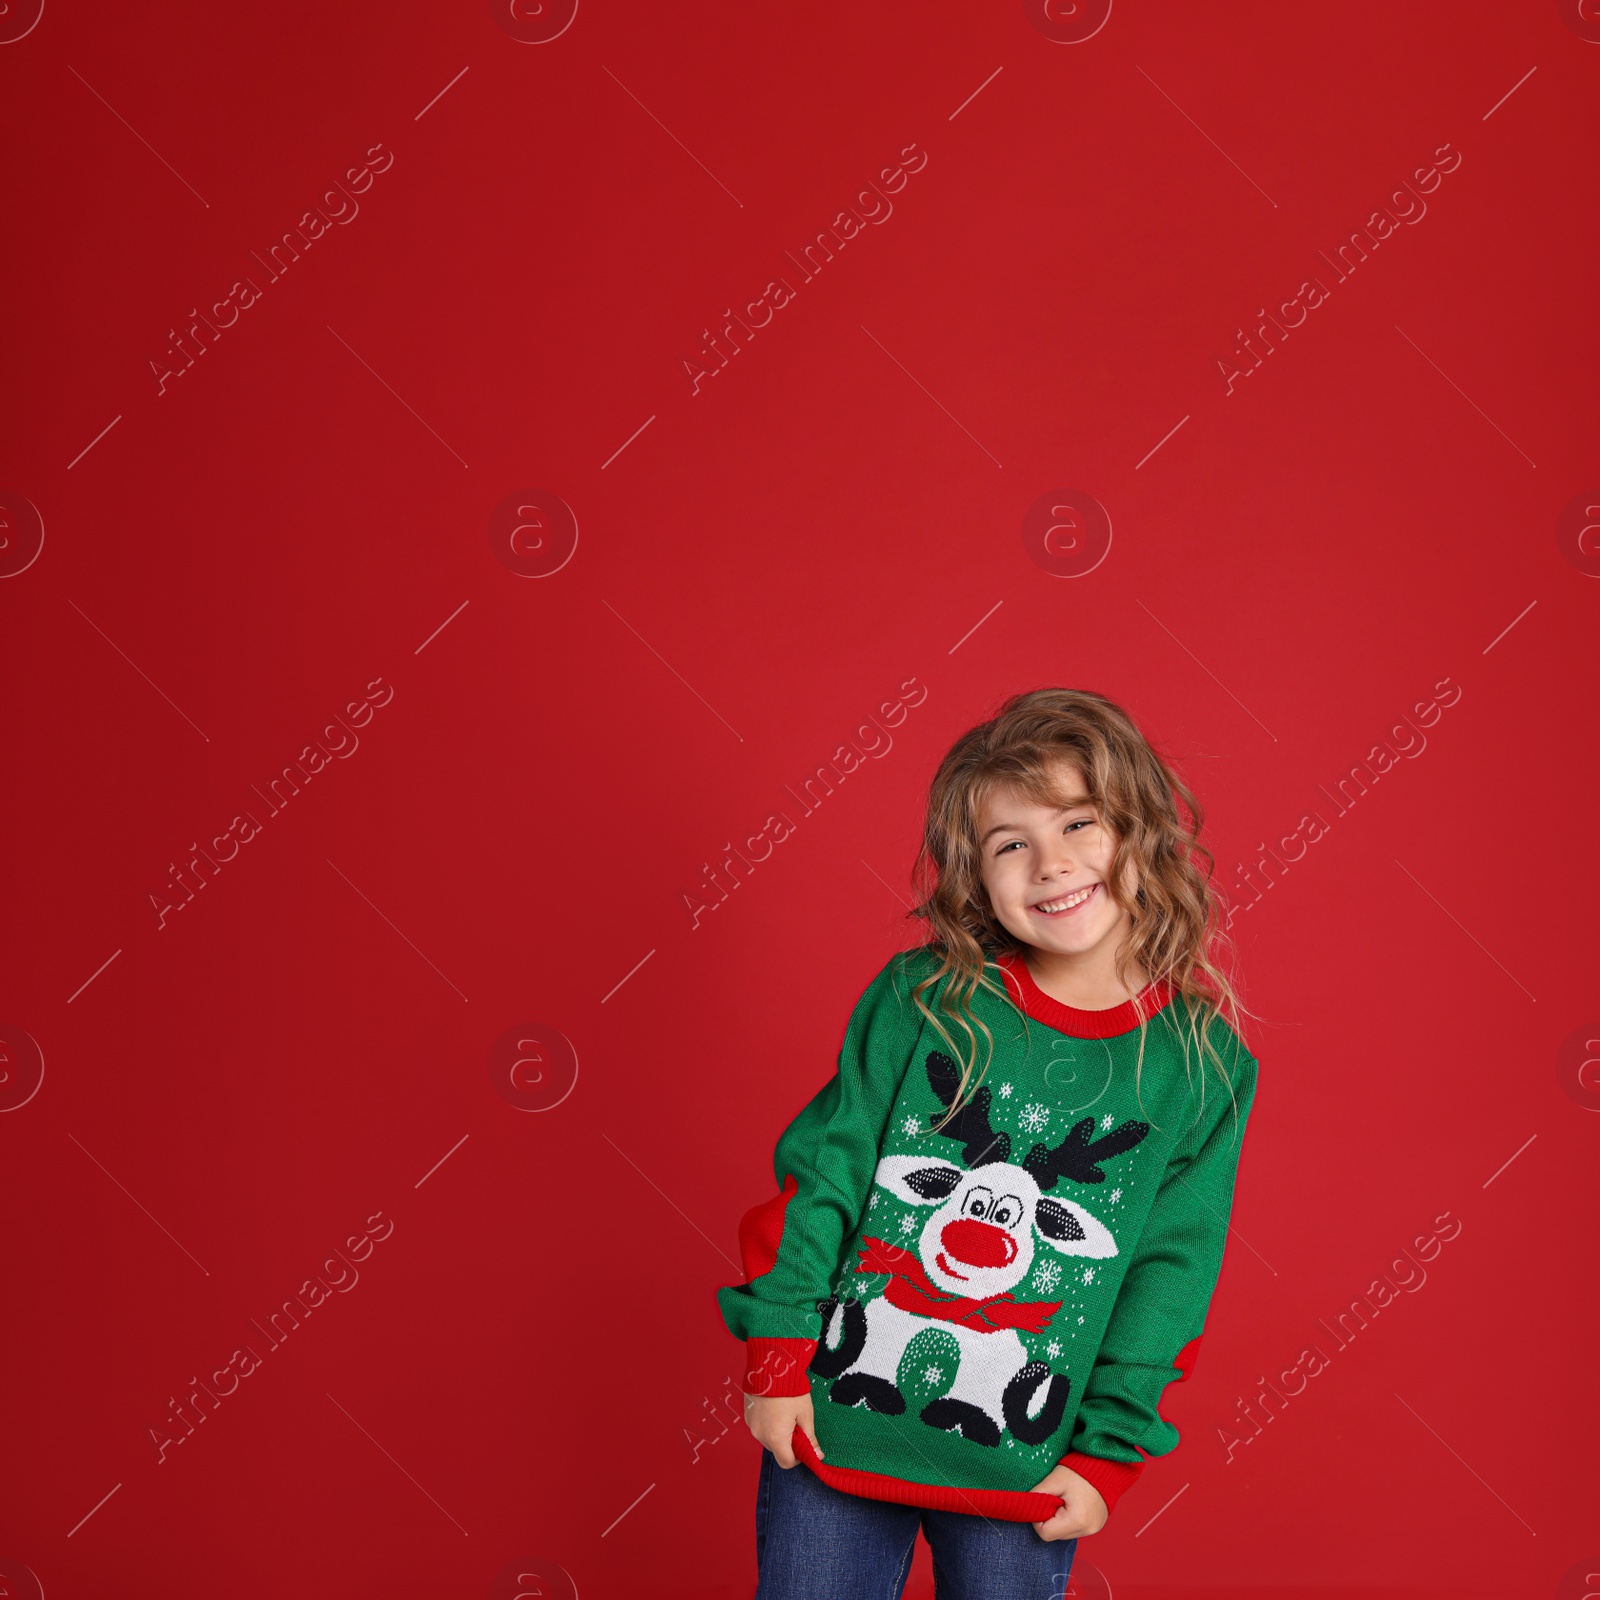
[969, 1307]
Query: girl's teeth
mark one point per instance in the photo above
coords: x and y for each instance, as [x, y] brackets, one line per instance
[1071, 900]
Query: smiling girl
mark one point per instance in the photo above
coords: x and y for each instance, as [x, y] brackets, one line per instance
[986, 1261]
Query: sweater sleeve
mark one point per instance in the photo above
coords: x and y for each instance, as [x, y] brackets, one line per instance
[791, 1244]
[1159, 1317]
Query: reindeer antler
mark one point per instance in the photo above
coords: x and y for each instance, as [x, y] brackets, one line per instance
[971, 1122]
[1078, 1156]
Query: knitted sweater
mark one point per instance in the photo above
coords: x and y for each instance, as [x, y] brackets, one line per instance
[970, 1307]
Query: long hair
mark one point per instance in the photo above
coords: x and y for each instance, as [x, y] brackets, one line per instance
[1160, 871]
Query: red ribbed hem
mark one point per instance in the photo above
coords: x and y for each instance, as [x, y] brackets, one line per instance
[1067, 1019]
[777, 1366]
[1005, 1505]
[1111, 1478]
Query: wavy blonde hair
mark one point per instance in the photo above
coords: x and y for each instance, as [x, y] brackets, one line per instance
[1160, 871]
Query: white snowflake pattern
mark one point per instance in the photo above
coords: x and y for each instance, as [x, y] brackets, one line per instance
[910, 1126]
[932, 1374]
[1080, 1319]
[1053, 1349]
[1105, 1121]
[1035, 1118]
[1088, 1274]
[907, 1224]
[872, 1203]
[1048, 1275]
[1116, 1195]
[1005, 1091]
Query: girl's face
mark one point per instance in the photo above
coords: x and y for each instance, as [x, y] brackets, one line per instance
[1047, 871]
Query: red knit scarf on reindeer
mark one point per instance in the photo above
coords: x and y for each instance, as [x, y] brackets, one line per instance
[911, 1289]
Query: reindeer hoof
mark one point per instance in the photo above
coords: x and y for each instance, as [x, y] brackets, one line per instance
[959, 1416]
[862, 1389]
[1021, 1390]
[830, 1361]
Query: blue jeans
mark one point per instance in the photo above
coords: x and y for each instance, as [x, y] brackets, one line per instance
[815, 1543]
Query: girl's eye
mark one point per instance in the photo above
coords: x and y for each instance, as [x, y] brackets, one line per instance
[1071, 827]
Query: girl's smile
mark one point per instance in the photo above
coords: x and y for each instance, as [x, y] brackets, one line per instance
[1064, 906]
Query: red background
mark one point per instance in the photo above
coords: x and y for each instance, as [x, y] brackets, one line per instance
[536, 1344]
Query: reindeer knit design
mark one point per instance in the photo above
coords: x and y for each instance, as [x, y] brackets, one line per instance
[971, 1298]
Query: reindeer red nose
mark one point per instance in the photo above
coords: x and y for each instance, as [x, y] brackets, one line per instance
[978, 1244]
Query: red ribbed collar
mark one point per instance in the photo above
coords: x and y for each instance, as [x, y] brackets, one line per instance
[1069, 1019]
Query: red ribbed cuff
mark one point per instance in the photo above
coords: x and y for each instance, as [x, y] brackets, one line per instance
[777, 1366]
[1109, 1477]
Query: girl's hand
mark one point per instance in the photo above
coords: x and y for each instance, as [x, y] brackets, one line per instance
[773, 1419]
[1083, 1510]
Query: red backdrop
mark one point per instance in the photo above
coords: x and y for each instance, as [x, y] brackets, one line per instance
[471, 1036]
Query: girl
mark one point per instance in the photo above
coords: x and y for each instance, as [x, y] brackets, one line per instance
[984, 1265]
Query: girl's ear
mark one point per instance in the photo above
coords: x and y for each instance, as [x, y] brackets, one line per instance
[922, 1180]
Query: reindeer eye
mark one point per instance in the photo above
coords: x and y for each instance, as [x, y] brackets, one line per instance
[1007, 1211]
[978, 1202]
